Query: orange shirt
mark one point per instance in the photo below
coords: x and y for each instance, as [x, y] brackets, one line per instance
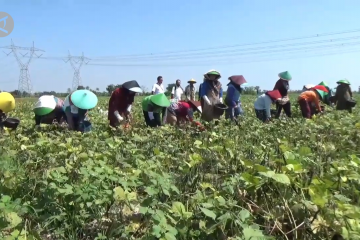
[311, 96]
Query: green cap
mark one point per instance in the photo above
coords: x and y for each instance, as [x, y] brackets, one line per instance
[323, 84]
[213, 73]
[321, 93]
[285, 76]
[160, 100]
[344, 81]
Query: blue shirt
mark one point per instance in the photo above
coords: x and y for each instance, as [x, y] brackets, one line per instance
[232, 96]
[206, 88]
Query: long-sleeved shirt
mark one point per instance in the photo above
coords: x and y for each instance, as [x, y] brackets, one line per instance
[263, 102]
[232, 98]
[282, 86]
[311, 97]
[190, 92]
[183, 111]
[206, 88]
[147, 106]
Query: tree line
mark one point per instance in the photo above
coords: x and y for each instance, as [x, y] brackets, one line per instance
[111, 87]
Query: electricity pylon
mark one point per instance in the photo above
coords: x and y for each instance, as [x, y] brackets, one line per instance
[24, 79]
[76, 63]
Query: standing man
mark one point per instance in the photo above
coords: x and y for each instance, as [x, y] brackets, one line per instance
[177, 91]
[158, 87]
[190, 90]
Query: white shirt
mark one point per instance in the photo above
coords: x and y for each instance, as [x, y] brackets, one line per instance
[177, 92]
[73, 108]
[263, 102]
[158, 88]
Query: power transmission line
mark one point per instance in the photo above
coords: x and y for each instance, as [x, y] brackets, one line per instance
[235, 45]
[24, 79]
[76, 63]
[219, 48]
[216, 62]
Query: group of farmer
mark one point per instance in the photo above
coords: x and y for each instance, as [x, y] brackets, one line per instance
[159, 110]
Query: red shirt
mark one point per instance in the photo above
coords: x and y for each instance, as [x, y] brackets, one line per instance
[119, 101]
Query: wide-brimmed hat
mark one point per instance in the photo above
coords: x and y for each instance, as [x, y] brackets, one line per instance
[309, 86]
[285, 76]
[344, 81]
[45, 105]
[238, 79]
[192, 81]
[196, 104]
[322, 94]
[7, 102]
[274, 95]
[321, 87]
[84, 99]
[323, 84]
[160, 100]
[212, 72]
[132, 86]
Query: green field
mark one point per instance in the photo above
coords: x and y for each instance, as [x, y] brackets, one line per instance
[290, 179]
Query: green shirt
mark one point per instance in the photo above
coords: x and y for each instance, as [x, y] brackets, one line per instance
[148, 106]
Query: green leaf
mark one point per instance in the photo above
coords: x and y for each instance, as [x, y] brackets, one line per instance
[208, 213]
[169, 236]
[119, 194]
[178, 208]
[252, 234]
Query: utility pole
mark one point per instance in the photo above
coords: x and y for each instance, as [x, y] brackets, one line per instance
[24, 79]
[76, 63]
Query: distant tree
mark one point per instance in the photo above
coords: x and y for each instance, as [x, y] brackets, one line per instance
[110, 88]
[87, 88]
[97, 89]
[69, 90]
[170, 87]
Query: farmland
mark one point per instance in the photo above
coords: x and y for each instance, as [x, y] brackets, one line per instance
[290, 179]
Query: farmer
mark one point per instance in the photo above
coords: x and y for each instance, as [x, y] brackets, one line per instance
[182, 112]
[211, 93]
[121, 101]
[153, 107]
[49, 109]
[309, 97]
[283, 86]
[190, 90]
[232, 99]
[329, 94]
[7, 104]
[307, 87]
[177, 91]
[76, 107]
[263, 103]
[343, 95]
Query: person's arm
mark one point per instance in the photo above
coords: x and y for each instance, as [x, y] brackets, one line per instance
[172, 92]
[114, 102]
[203, 94]
[350, 92]
[221, 95]
[153, 89]
[317, 102]
[230, 93]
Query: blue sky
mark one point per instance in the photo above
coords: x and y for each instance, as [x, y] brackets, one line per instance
[124, 27]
